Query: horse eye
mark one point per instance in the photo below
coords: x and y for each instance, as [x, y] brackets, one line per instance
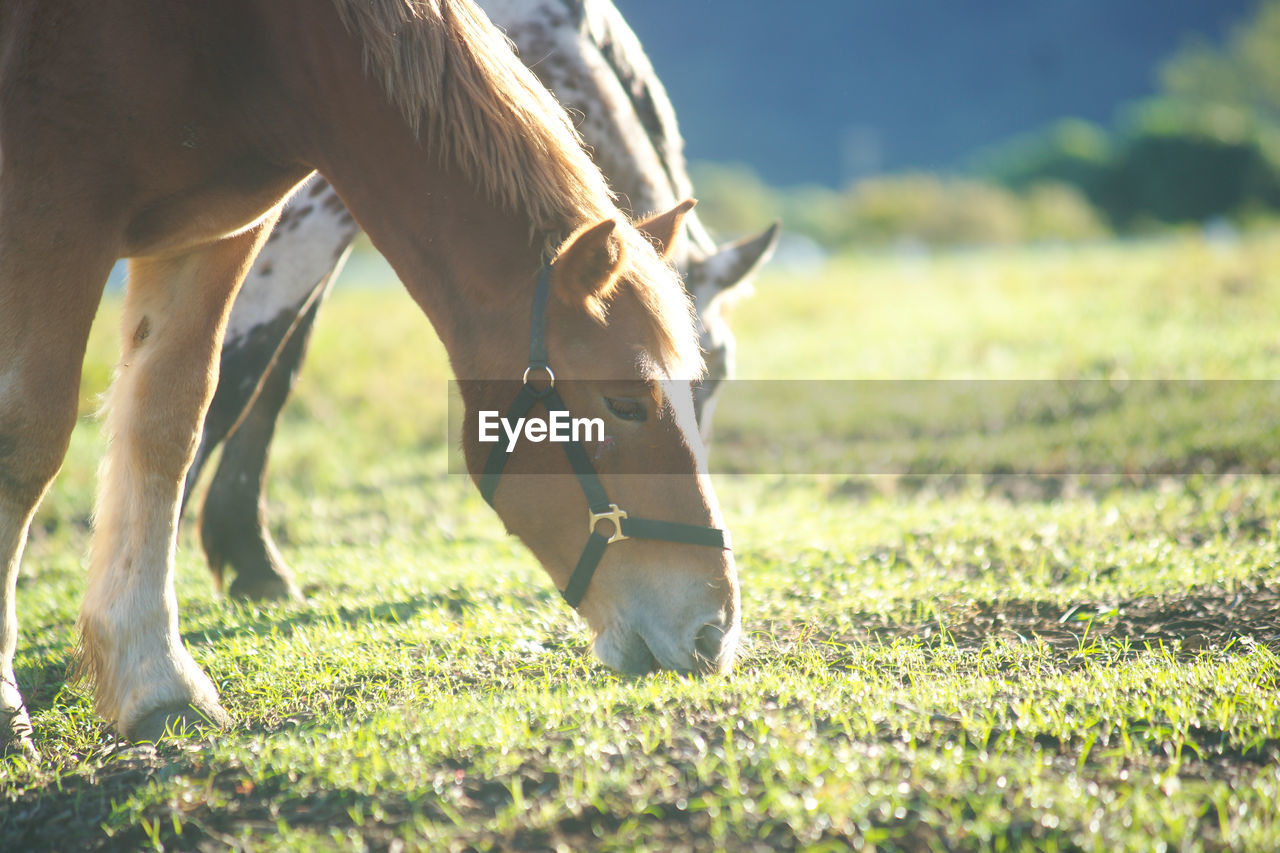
[626, 408]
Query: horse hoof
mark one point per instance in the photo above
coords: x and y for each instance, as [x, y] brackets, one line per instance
[15, 724]
[176, 722]
[269, 588]
[15, 738]
[15, 744]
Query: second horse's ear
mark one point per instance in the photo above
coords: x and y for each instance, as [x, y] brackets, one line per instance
[586, 269]
[733, 262]
[662, 229]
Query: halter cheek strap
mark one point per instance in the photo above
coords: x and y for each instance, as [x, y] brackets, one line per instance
[599, 507]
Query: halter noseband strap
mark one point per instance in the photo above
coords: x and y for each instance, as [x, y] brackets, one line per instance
[599, 508]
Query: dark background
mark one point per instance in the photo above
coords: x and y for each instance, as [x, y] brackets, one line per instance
[827, 91]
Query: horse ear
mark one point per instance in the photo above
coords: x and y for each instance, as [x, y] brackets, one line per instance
[735, 261]
[586, 269]
[661, 230]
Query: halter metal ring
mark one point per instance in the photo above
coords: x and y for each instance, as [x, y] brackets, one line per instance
[551, 376]
[612, 514]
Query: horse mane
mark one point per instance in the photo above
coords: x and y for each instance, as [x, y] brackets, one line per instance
[454, 76]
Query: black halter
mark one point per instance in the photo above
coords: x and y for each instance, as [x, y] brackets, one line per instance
[599, 506]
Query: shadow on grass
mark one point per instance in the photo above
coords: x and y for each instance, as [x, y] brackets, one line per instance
[1226, 620]
[42, 680]
[466, 804]
[69, 813]
[282, 621]
[43, 670]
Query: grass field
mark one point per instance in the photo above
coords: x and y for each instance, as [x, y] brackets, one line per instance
[959, 663]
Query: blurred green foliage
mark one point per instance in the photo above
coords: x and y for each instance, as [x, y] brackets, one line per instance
[1244, 74]
[899, 210]
[1206, 147]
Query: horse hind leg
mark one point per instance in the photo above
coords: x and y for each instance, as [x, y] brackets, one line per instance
[266, 342]
[233, 525]
[130, 652]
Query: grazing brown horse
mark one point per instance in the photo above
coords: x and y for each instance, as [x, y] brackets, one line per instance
[170, 132]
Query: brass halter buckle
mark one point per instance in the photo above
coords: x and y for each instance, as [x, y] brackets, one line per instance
[612, 514]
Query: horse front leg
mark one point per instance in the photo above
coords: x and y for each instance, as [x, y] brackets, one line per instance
[131, 653]
[51, 279]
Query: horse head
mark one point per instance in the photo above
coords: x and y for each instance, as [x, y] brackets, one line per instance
[620, 351]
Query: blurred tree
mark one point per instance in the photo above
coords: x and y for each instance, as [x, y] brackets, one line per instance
[1071, 151]
[1244, 73]
[891, 210]
[1207, 146]
[1183, 162]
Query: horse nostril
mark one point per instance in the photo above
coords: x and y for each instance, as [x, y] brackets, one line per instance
[709, 641]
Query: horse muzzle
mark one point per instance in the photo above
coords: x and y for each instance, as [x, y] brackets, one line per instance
[699, 646]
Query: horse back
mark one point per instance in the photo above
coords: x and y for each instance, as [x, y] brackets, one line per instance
[142, 116]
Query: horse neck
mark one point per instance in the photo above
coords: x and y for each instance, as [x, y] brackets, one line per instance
[469, 263]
